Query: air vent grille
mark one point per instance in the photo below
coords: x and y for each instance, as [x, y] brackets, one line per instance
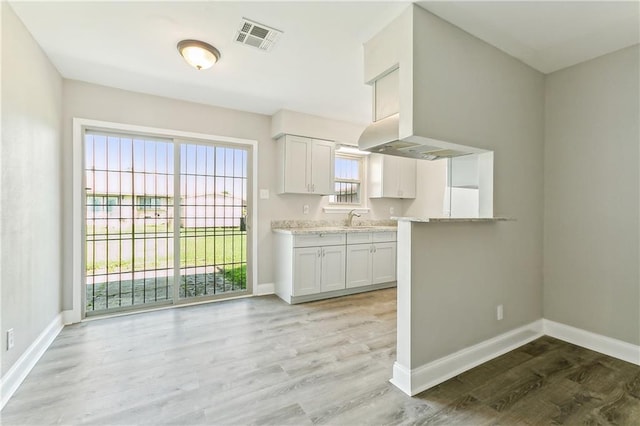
[257, 35]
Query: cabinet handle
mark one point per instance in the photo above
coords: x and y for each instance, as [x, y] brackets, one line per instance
[319, 252]
[323, 253]
[313, 187]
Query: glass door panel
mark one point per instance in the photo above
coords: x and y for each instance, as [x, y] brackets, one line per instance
[129, 221]
[213, 208]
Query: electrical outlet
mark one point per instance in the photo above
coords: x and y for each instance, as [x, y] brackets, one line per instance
[392, 211]
[305, 209]
[499, 313]
[10, 341]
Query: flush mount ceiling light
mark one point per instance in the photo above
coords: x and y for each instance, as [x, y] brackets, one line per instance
[198, 54]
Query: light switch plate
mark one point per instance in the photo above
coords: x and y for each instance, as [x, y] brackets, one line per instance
[264, 194]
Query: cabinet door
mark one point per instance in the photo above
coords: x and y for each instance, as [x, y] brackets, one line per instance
[306, 270]
[322, 167]
[383, 263]
[333, 268]
[297, 162]
[359, 265]
[407, 177]
[391, 177]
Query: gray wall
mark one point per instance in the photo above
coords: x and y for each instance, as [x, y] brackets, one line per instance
[472, 93]
[31, 193]
[591, 220]
[84, 100]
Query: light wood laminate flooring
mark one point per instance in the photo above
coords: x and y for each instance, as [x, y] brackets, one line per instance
[261, 361]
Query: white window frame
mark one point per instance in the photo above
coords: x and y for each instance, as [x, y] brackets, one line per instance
[361, 207]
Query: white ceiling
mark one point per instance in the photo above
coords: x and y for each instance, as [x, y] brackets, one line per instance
[547, 35]
[316, 67]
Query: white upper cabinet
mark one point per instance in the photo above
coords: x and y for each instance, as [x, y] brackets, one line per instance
[391, 177]
[306, 166]
[323, 154]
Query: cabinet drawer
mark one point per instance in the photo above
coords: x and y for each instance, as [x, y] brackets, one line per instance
[359, 238]
[381, 237]
[315, 240]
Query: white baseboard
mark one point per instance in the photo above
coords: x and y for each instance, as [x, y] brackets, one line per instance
[596, 342]
[426, 376]
[264, 289]
[18, 372]
[69, 317]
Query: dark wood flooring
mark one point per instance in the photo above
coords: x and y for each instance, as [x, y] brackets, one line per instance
[261, 361]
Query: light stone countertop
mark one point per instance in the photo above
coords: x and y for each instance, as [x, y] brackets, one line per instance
[452, 219]
[334, 229]
[299, 227]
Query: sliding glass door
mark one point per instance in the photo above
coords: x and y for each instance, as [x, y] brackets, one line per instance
[149, 198]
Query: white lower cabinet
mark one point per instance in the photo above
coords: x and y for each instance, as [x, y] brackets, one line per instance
[306, 271]
[316, 266]
[332, 272]
[373, 261]
[359, 259]
[318, 269]
[383, 263]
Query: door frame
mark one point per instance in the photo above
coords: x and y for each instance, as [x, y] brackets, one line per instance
[77, 313]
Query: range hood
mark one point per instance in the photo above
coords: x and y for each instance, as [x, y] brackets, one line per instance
[397, 62]
[383, 137]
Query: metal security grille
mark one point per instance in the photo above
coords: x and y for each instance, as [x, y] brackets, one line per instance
[213, 207]
[347, 180]
[148, 198]
[129, 221]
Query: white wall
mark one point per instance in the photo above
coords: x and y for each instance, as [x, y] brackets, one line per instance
[297, 123]
[468, 92]
[31, 193]
[591, 214]
[84, 100]
[431, 185]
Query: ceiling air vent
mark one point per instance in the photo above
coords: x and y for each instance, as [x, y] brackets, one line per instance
[257, 35]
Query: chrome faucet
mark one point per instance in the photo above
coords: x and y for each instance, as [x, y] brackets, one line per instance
[350, 216]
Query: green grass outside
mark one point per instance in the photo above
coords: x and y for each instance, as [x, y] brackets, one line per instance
[198, 247]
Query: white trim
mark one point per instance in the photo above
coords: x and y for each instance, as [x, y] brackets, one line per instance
[67, 317]
[264, 289]
[402, 378]
[76, 313]
[21, 368]
[596, 342]
[76, 215]
[404, 274]
[428, 375]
